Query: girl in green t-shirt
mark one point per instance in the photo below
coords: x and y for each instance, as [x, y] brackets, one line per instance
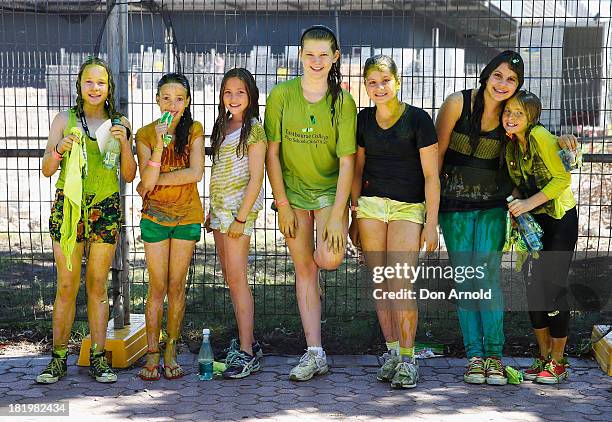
[310, 125]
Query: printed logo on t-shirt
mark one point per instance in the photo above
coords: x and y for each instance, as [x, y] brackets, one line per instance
[306, 136]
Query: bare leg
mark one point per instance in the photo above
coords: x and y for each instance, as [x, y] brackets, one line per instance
[235, 275]
[306, 277]
[68, 283]
[373, 235]
[544, 341]
[324, 258]
[157, 255]
[181, 252]
[402, 248]
[558, 347]
[96, 278]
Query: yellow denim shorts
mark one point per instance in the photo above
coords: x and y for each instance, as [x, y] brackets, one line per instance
[386, 210]
[221, 219]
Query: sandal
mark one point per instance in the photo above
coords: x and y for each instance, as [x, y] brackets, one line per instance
[170, 342]
[150, 368]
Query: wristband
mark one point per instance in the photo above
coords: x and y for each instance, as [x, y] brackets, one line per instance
[56, 153]
[239, 221]
[153, 163]
[158, 149]
[281, 203]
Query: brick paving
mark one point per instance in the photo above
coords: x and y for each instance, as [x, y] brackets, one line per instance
[349, 392]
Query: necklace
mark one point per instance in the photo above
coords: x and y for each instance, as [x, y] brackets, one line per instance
[85, 127]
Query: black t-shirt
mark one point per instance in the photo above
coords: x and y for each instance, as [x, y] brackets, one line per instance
[392, 163]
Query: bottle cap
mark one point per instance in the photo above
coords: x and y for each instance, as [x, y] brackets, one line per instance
[510, 198]
[206, 332]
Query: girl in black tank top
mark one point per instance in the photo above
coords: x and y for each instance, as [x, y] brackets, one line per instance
[474, 184]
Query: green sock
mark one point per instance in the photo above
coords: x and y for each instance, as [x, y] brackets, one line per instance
[407, 351]
[62, 351]
[393, 345]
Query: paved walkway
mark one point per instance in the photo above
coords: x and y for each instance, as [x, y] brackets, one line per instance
[349, 392]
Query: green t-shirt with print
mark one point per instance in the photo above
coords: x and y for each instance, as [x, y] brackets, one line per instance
[310, 144]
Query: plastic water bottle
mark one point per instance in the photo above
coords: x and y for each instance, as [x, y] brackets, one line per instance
[205, 358]
[113, 150]
[530, 230]
[167, 119]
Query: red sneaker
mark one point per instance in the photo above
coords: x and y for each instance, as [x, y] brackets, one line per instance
[536, 367]
[553, 373]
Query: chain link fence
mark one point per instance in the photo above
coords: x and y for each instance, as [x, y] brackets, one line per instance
[439, 46]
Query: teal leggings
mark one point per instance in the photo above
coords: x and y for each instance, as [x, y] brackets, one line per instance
[476, 238]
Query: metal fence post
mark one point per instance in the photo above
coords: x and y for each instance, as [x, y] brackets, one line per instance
[117, 50]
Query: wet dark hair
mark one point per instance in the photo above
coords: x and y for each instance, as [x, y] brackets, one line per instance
[334, 78]
[109, 103]
[515, 62]
[380, 62]
[251, 112]
[184, 124]
[532, 106]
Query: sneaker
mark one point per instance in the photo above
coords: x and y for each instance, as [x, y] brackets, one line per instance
[494, 372]
[536, 367]
[55, 370]
[475, 373]
[242, 365]
[387, 370]
[310, 365]
[553, 373]
[235, 347]
[99, 368]
[406, 374]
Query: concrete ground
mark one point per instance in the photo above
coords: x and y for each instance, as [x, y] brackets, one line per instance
[349, 392]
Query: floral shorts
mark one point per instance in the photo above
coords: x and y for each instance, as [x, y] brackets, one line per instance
[104, 219]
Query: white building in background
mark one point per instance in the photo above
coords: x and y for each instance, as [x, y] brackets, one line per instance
[566, 48]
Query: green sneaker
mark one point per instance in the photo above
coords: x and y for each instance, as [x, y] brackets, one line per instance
[311, 364]
[494, 371]
[387, 370]
[475, 373]
[406, 374]
[99, 368]
[55, 370]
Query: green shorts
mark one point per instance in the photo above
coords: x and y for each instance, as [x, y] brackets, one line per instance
[385, 209]
[152, 232]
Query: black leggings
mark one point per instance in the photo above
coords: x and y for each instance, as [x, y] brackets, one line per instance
[546, 284]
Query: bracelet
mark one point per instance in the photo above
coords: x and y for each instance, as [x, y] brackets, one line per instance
[354, 208]
[153, 163]
[239, 221]
[158, 149]
[56, 153]
[281, 203]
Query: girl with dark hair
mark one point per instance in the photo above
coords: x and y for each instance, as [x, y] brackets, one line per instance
[544, 186]
[239, 143]
[397, 187]
[86, 210]
[310, 124]
[171, 215]
[474, 185]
